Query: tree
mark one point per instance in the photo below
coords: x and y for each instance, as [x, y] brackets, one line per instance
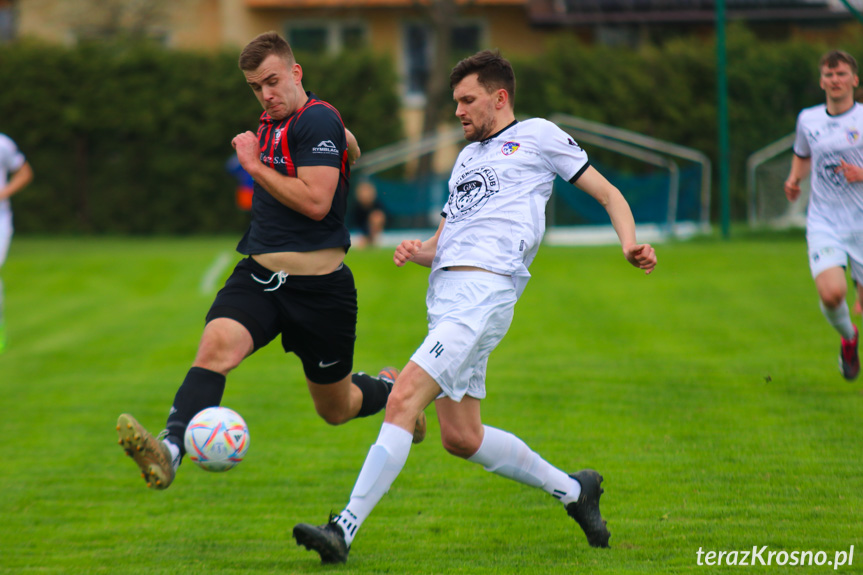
[441, 14]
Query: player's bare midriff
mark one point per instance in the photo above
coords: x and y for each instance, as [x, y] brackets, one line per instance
[471, 269]
[316, 263]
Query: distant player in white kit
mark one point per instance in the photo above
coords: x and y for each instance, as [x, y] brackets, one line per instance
[829, 143]
[14, 164]
[491, 229]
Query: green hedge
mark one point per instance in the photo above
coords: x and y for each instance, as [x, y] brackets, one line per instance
[134, 139]
[669, 91]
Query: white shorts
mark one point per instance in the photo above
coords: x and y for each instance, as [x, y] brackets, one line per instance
[468, 315]
[828, 249]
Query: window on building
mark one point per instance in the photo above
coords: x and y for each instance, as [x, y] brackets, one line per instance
[418, 54]
[353, 37]
[330, 37]
[466, 39]
[308, 39]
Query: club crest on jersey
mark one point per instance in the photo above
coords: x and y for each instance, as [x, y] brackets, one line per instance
[471, 191]
[853, 135]
[829, 173]
[278, 135]
[509, 148]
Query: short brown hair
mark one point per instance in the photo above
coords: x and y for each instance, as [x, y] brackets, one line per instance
[832, 59]
[493, 72]
[262, 46]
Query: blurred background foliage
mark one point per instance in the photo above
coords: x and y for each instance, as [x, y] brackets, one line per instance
[132, 138]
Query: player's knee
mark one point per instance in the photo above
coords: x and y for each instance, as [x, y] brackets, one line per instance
[832, 297]
[220, 359]
[333, 414]
[396, 402]
[460, 444]
[222, 347]
[218, 364]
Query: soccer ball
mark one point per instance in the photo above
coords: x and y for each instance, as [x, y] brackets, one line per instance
[217, 439]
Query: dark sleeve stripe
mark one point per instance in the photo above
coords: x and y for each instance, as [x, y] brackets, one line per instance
[574, 178]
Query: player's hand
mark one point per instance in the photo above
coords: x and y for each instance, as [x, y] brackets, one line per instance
[406, 251]
[642, 256]
[852, 173]
[248, 150]
[792, 189]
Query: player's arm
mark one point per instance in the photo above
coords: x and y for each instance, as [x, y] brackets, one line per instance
[417, 251]
[310, 193]
[353, 147]
[593, 183]
[799, 169]
[19, 180]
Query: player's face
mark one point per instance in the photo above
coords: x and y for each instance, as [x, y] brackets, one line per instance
[277, 85]
[839, 82]
[476, 108]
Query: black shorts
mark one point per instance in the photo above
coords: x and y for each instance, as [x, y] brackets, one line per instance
[316, 315]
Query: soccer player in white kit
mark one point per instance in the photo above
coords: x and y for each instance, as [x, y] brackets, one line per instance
[15, 174]
[492, 226]
[829, 144]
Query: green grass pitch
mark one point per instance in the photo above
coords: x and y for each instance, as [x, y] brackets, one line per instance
[707, 394]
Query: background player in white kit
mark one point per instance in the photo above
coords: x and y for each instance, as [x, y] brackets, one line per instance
[492, 228]
[830, 143]
[14, 164]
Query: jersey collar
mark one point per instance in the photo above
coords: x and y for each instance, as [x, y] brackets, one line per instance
[495, 135]
[852, 108]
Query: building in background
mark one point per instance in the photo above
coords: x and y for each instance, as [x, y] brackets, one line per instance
[407, 29]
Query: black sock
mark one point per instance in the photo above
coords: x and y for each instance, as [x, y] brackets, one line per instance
[375, 393]
[202, 388]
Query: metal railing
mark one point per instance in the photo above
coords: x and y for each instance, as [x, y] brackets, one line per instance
[655, 145]
[638, 146]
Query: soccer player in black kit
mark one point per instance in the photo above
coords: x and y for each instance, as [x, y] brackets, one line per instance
[294, 281]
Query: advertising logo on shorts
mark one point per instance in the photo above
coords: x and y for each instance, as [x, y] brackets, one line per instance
[472, 190]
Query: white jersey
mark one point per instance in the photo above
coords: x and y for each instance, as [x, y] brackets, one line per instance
[498, 190]
[834, 204]
[11, 161]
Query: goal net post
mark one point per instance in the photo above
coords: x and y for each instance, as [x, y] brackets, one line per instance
[766, 172]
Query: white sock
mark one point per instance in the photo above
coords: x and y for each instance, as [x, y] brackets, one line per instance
[840, 318]
[505, 454]
[175, 454]
[383, 464]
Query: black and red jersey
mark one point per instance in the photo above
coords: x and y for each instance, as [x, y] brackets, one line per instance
[314, 135]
